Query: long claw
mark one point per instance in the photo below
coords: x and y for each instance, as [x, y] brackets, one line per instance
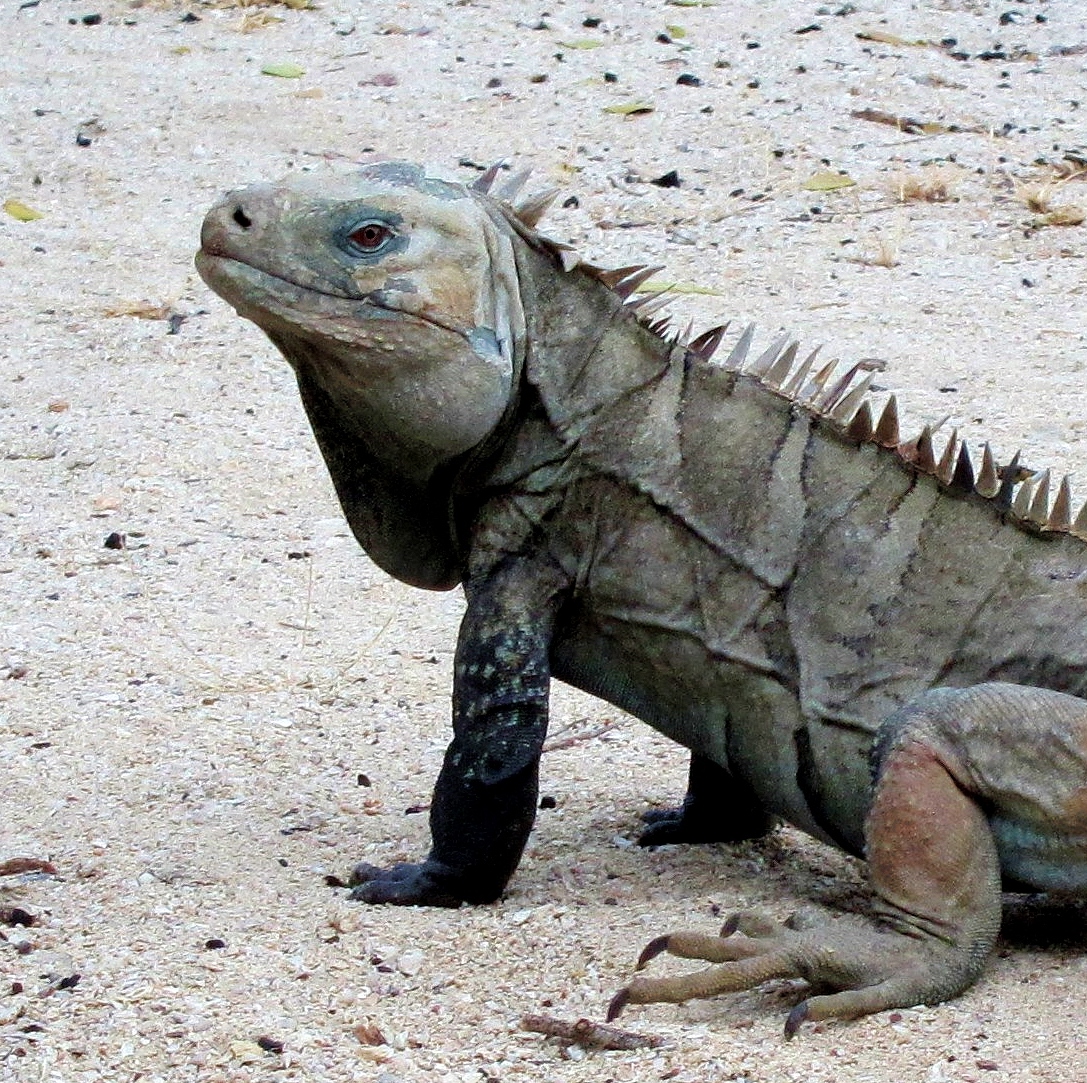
[655, 947]
[617, 1004]
[751, 923]
[796, 1017]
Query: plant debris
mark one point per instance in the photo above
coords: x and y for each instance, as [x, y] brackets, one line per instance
[910, 125]
[21, 212]
[590, 1035]
[284, 70]
[827, 181]
[630, 109]
[16, 866]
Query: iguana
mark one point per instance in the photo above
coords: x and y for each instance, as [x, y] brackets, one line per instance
[883, 646]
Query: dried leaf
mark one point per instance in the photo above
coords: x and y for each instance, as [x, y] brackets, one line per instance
[884, 38]
[142, 310]
[369, 1033]
[20, 211]
[675, 32]
[826, 181]
[15, 866]
[630, 109]
[285, 70]
[878, 116]
[581, 43]
[257, 20]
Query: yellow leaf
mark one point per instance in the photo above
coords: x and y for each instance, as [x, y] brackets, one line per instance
[827, 182]
[285, 70]
[675, 32]
[582, 43]
[20, 211]
[629, 109]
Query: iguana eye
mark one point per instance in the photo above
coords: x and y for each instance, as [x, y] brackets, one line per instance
[370, 237]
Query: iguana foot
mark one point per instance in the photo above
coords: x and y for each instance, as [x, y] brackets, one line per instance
[866, 969]
[668, 826]
[427, 884]
[932, 861]
[717, 808]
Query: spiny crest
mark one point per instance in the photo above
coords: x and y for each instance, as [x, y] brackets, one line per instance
[529, 210]
[845, 401]
[623, 281]
[842, 399]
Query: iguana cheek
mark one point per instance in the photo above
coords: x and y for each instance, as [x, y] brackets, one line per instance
[446, 298]
[434, 389]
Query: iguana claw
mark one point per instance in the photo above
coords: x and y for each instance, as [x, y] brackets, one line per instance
[617, 1004]
[401, 885]
[795, 1018]
[655, 947]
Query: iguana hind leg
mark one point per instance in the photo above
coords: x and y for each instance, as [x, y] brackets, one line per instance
[958, 770]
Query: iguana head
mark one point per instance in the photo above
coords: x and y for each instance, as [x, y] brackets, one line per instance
[395, 298]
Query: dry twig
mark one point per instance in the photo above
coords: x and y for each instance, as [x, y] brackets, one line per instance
[588, 1034]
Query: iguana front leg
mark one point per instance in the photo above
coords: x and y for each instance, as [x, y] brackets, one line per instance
[1019, 753]
[484, 801]
[718, 808]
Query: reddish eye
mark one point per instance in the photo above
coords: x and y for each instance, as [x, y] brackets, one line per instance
[370, 236]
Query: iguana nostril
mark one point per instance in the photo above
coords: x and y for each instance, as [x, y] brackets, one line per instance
[242, 218]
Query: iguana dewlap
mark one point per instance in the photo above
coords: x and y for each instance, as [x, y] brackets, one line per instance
[882, 646]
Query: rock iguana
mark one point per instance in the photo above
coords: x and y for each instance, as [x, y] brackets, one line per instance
[880, 644]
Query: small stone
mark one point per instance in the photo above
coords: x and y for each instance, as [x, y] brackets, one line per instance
[410, 963]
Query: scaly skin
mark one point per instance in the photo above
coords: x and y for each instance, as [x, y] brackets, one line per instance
[743, 555]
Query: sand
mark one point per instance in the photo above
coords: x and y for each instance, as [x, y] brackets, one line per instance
[198, 727]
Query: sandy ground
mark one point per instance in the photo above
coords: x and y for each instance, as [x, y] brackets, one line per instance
[198, 728]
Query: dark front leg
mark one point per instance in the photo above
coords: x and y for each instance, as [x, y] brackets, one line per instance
[484, 802]
[717, 808]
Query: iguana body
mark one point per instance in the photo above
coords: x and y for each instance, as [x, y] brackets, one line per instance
[733, 552]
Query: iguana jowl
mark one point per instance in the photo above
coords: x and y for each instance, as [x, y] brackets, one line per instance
[884, 647]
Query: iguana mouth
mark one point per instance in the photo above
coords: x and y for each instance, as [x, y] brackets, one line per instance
[226, 269]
